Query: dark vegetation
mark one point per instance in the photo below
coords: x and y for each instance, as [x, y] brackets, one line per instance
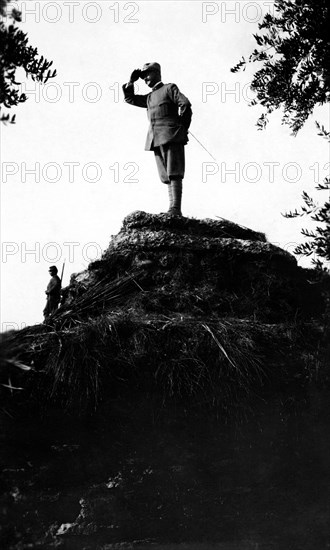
[15, 53]
[179, 394]
[294, 51]
[318, 243]
[201, 311]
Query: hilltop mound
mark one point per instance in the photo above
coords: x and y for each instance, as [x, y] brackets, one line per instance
[201, 266]
[202, 310]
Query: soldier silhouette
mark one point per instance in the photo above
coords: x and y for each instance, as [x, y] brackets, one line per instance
[169, 113]
[53, 292]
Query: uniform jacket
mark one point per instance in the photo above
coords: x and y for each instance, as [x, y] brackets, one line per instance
[169, 113]
[54, 287]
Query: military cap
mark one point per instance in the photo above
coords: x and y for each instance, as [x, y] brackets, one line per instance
[148, 67]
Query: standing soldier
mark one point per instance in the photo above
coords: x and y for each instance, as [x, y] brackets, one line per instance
[53, 292]
[169, 113]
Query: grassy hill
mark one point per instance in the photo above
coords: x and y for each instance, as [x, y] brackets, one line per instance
[204, 311]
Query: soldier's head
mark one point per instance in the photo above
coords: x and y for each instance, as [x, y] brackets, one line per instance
[151, 73]
[53, 270]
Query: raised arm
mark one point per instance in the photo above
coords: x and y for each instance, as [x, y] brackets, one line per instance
[129, 95]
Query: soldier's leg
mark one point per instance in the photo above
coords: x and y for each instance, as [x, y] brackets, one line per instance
[170, 197]
[176, 187]
[53, 305]
[175, 170]
[46, 311]
[161, 157]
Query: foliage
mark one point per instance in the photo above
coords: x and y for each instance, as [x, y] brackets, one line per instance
[15, 53]
[294, 49]
[320, 243]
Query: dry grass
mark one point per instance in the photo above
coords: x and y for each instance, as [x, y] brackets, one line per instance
[176, 339]
[101, 296]
[202, 360]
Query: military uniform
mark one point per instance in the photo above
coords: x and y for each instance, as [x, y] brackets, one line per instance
[169, 113]
[53, 292]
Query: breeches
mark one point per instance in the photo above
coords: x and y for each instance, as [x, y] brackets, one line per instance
[170, 161]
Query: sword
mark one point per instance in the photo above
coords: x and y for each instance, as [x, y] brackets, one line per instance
[189, 132]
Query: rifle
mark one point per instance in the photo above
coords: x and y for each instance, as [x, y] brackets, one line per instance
[62, 272]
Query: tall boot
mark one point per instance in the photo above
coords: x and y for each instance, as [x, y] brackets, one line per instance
[176, 188]
[170, 197]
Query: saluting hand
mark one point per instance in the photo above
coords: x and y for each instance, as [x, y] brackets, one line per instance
[135, 75]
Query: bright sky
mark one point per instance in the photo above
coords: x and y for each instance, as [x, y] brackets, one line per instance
[74, 165]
